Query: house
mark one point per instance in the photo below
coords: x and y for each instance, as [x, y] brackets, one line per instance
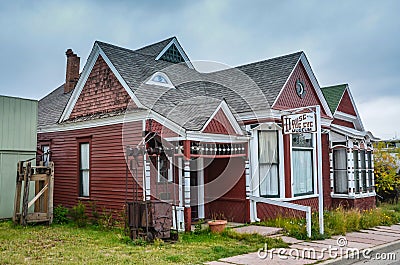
[18, 123]
[210, 143]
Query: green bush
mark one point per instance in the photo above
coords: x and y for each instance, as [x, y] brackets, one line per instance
[60, 215]
[78, 214]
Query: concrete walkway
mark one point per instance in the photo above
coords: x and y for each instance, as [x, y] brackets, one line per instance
[336, 250]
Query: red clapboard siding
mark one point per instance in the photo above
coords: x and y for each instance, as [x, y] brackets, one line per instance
[233, 204]
[102, 92]
[346, 105]
[107, 165]
[289, 99]
[164, 132]
[220, 124]
[361, 203]
[326, 181]
[344, 123]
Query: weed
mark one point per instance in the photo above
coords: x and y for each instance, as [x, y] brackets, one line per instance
[60, 215]
[78, 214]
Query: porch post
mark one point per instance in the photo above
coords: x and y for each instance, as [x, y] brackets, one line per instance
[147, 187]
[187, 210]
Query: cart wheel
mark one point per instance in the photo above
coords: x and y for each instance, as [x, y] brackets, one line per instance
[149, 237]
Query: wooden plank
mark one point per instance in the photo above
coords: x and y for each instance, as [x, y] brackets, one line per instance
[38, 177]
[17, 196]
[37, 196]
[50, 193]
[34, 217]
[26, 194]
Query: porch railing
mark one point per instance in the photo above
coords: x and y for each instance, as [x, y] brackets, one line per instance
[306, 209]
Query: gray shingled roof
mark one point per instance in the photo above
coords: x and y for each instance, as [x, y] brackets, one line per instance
[51, 107]
[195, 95]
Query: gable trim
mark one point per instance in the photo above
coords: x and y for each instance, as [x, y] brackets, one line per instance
[180, 49]
[228, 113]
[303, 59]
[358, 118]
[94, 55]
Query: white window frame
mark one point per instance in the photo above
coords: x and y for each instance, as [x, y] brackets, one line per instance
[314, 171]
[254, 171]
[85, 192]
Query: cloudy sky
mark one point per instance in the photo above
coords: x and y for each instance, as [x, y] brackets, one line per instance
[354, 42]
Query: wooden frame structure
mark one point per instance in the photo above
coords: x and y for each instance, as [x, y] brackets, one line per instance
[43, 176]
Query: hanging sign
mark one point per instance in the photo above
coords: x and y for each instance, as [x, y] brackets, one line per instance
[299, 123]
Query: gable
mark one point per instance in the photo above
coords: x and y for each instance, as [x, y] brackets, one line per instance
[220, 124]
[333, 95]
[346, 104]
[288, 97]
[101, 93]
[161, 130]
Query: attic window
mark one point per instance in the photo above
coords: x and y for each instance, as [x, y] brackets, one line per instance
[172, 55]
[160, 79]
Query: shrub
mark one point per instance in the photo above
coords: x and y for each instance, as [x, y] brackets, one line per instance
[78, 214]
[60, 215]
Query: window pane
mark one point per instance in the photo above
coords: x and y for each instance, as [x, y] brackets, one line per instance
[269, 181]
[363, 170]
[84, 156]
[46, 155]
[356, 171]
[302, 172]
[369, 158]
[340, 170]
[85, 183]
[302, 140]
[268, 147]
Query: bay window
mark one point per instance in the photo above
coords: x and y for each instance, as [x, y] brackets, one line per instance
[363, 171]
[268, 160]
[302, 163]
[356, 171]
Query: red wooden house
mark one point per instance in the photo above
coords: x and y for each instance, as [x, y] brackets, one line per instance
[217, 136]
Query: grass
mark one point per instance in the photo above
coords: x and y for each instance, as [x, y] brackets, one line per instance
[68, 244]
[339, 221]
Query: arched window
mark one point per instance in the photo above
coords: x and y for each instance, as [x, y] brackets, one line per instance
[160, 79]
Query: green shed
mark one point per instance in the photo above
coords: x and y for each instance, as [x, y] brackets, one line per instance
[18, 127]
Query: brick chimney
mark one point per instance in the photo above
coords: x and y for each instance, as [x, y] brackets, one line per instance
[72, 73]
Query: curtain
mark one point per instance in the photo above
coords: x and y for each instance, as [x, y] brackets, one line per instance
[302, 172]
[340, 170]
[268, 163]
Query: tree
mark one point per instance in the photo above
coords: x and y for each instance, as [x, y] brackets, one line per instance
[387, 181]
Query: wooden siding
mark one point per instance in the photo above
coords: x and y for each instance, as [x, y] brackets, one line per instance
[220, 125]
[102, 93]
[164, 132]
[326, 177]
[348, 124]
[346, 105]
[233, 204]
[107, 164]
[289, 99]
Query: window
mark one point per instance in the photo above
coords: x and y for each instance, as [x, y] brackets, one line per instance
[268, 160]
[363, 171]
[46, 155]
[340, 171]
[84, 169]
[302, 162]
[164, 168]
[370, 171]
[356, 171]
[160, 79]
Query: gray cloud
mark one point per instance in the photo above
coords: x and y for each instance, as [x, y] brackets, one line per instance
[353, 42]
